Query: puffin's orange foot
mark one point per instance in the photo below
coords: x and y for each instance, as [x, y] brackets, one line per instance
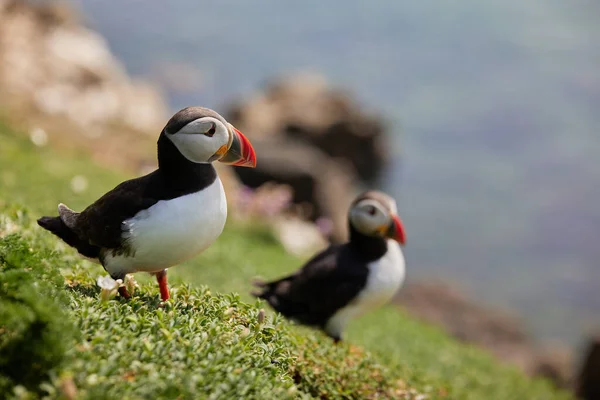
[161, 278]
[124, 293]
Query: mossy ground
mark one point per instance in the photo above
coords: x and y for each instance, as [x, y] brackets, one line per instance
[207, 341]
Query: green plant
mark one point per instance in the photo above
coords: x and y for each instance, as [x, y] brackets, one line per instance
[35, 331]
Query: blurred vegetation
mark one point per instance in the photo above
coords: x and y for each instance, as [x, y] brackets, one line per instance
[204, 342]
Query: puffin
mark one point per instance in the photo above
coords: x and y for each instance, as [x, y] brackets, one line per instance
[346, 280]
[159, 220]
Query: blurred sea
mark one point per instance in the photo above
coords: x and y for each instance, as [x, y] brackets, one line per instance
[495, 114]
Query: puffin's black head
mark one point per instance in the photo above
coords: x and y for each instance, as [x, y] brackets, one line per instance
[202, 136]
[375, 214]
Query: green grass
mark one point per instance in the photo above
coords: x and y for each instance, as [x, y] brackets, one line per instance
[35, 330]
[199, 343]
[207, 342]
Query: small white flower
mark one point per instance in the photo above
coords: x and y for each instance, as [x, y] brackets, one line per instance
[109, 287]
[106, 282]
[79, 183]
[245, 332]
[131, 284]
[39, 137]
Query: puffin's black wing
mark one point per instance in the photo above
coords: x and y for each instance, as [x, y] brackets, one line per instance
[326, 283]
[100, 224]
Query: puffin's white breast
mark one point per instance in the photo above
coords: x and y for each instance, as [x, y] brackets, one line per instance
[172, 231]
[386, 276]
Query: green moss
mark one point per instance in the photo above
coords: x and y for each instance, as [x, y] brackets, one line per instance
[34, 328]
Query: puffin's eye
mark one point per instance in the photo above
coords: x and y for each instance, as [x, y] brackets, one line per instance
[371, 210]
[211, 131]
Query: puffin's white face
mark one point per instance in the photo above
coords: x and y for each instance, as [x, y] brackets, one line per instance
[372, 218]
[368, 216]
[203, 140]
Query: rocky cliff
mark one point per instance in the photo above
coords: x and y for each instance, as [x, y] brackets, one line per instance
[54, 69]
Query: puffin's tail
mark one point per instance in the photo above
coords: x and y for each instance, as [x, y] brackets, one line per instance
[273, 294]
[281, 297]
[58, 227]
[261, 288]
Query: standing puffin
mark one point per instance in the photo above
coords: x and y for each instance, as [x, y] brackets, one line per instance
[347, 280]
[159, 220]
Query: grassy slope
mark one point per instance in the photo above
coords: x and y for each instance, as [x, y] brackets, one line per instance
[198, 343]
[211, 340]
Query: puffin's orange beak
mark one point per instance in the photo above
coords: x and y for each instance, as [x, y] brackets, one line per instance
[240, 153]
[396, 230]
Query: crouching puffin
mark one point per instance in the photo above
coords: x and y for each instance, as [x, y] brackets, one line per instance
[345, 281]
[159, 220]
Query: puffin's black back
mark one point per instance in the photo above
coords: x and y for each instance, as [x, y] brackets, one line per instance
[100, 224]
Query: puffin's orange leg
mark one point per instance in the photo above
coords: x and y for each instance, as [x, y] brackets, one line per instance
[161, 278]
[124, 293]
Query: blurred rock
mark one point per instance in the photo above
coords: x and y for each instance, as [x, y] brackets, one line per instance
[555, 364]
[321, 186]
[304, 107]
[501, 334]
[445, 306]
[588, 380]
[51, 64]
[299, 237]
[314, 138]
